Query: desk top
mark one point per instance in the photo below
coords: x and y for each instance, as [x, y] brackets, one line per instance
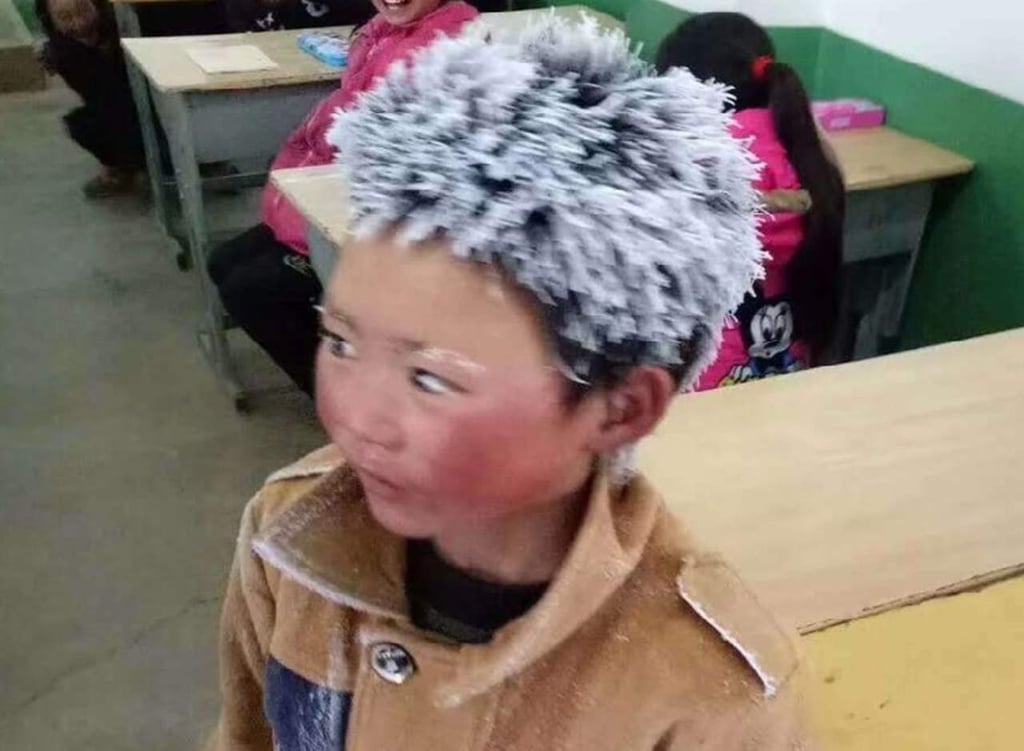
[167, 65]
[321, 194]
[848, 490]
[886, 158]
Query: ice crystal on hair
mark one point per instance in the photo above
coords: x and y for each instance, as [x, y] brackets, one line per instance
[617, 197]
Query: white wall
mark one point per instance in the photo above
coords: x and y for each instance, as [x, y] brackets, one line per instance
[773, 12]
[980, 42]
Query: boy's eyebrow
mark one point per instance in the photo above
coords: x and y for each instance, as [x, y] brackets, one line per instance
[411, 345]
[332, 312]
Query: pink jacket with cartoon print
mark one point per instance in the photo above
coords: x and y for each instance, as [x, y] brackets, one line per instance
[379, 45]
[761, 342]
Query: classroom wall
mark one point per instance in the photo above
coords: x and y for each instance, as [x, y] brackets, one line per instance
[976, 43]
[768, 12]
[948, 73]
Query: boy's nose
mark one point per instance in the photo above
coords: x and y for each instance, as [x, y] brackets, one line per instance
[372, 419]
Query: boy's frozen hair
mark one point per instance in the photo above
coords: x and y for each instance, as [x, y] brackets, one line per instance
[617, 197]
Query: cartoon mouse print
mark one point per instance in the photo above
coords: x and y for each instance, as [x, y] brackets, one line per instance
[314, 9]
[768, 332]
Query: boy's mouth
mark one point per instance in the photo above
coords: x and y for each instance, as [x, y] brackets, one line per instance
[396, 3]
[376, 484]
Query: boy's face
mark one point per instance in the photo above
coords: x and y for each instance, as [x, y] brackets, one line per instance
[436, 381]
[403, 12]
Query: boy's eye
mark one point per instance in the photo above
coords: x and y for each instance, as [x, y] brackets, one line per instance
[429, 383]
[338, 346]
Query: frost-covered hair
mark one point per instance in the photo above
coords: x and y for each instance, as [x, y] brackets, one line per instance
[617, 197]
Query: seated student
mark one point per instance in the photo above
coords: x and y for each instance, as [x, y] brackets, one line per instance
[263, 275]
[788, 323]
[82, 47]
[547, 240]
[270, 15]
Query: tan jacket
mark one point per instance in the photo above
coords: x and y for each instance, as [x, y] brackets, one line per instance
[642, 641]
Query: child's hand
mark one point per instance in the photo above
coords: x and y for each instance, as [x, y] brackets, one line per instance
[78, 19]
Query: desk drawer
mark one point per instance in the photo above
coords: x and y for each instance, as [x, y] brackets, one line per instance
[240, 124]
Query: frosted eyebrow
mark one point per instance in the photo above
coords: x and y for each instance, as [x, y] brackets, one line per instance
[406, 345]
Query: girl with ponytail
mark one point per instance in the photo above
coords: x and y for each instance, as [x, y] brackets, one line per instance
[788, 323]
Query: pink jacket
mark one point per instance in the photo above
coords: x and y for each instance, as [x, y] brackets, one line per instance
[378, 46]
[761, 342]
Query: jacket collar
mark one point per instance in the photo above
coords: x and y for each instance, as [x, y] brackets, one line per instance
[329, 542]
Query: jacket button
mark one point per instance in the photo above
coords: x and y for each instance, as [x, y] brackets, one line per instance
[392, 662]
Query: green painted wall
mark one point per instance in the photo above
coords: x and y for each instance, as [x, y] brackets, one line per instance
[27, 10]
[971, 271]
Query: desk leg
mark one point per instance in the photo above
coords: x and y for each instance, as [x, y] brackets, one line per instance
[176, 115]
[897, 294]
[882, 240]
[127, 20]
[128, 26]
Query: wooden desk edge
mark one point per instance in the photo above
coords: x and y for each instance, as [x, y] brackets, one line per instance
[216, 82]
[973, 584]
[965, 167]
[280, 178]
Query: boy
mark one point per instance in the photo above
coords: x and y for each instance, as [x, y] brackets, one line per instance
[547, 242]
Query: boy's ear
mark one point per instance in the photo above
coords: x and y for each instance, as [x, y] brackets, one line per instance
[633, 408]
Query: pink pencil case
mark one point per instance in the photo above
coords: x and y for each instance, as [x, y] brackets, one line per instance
[849, 114]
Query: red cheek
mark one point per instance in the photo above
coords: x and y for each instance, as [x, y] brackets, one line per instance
[499, 458]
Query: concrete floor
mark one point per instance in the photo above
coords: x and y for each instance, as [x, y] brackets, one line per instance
[123, 468]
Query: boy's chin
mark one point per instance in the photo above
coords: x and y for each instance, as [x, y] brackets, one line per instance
[400, 519]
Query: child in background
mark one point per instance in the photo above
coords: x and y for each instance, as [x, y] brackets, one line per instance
[547, 241]
[83, 48]
[263, 275]
[788, 323]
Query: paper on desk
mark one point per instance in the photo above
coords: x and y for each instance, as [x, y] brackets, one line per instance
[236, 58]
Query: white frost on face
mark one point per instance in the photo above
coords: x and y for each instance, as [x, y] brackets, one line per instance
[449, 357]
[767, 679]
[617, 197]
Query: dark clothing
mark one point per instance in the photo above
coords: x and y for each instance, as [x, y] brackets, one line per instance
[257, 15]
[170, 19]
[490, 6]
[270, 291]
[448, 601]
[106, 124]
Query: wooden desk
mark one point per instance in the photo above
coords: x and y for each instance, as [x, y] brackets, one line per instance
[169, 69]
[890, 178]
[885, 158]
[948, 674]
[844, 491]
[221, 118]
